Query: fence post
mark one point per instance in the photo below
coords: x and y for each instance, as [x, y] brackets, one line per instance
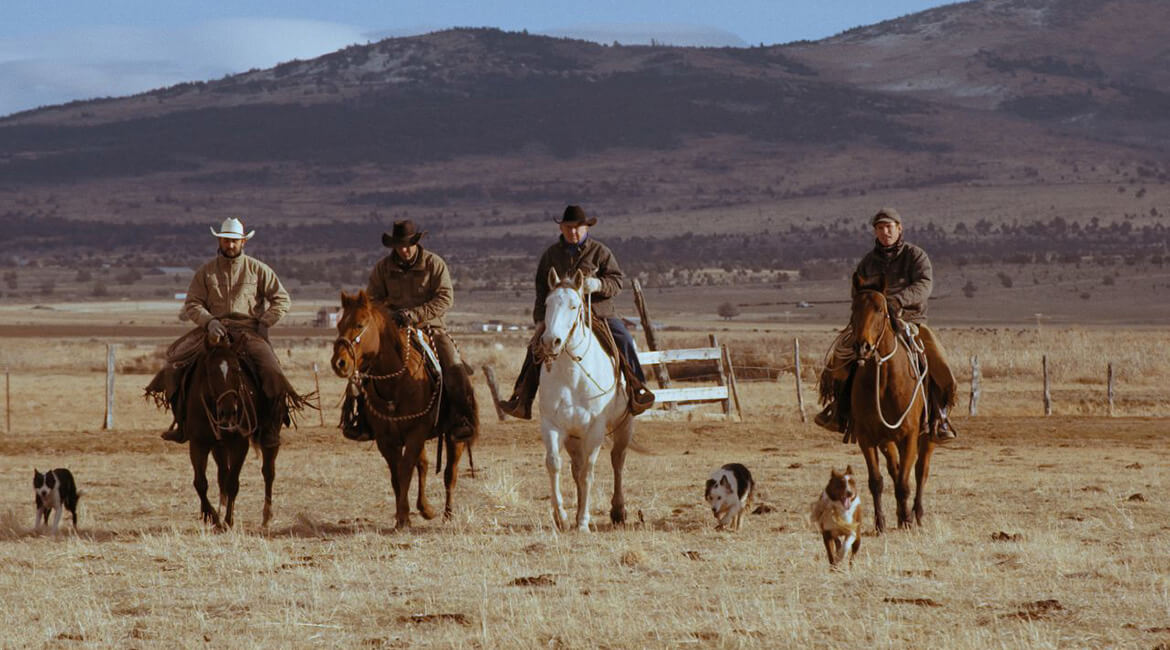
[973, 402]
[731, 382]
[1110, 388]
[799, 394]
[490, 374]
[7, 400]
[660, 371]
[714, 341]
[108, 424]
[317, 385]
[1047, 392]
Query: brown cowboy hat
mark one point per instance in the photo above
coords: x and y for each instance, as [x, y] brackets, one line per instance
[404, 233]
[575, 216]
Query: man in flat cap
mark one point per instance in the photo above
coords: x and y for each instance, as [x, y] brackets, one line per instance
[908, 275]
[240, 297]
[574, 251]
[415, 285]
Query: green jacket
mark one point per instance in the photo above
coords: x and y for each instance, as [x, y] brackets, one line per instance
[908, 274]
[243, 290]
[424, 288]
[593, 258]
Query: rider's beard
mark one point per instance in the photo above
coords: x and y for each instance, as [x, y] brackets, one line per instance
[231, 256]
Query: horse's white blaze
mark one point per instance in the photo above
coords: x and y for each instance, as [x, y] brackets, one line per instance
[223, 367]
[582, 398]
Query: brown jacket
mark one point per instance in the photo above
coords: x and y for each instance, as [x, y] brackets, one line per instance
[593, 258]
[242, 290]
[908, 276]
[423, 288]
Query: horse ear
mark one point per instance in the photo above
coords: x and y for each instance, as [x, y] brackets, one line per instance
[553, 278]
[578, 279]
[346, 299]
[362, 298]
[882, 285]
[858, 282]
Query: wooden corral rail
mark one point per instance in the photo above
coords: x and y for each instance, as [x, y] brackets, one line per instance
[690, 397]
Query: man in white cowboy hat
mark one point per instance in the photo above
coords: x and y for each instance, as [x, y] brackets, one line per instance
[415, 285]
[575, 251]
[241, 297]
[909, 277]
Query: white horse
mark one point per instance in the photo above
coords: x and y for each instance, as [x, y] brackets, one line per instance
[582, 399]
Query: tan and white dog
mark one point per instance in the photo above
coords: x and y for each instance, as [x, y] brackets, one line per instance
[729, 493]
[837, 514]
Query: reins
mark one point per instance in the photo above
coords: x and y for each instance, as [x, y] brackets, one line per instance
[247, 424]
[882, 359]
[363, 382]
[586, 316]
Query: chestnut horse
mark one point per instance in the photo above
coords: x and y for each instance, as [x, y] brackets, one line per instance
[221, 417]
[888, 399]
[402, 398]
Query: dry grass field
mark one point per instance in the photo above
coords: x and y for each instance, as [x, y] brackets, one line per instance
[1041, 532]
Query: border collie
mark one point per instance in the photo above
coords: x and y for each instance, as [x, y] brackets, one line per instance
[729, 493]
[55, 490]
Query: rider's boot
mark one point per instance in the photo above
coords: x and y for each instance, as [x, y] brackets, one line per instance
[353, 426]
[175, 433]
[940, 426]
[827, 418]
[461, 398]
[640, 397]
[520, 404]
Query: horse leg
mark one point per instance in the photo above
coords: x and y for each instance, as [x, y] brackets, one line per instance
[451, 474]
[908, 458]
[393, 455]
[423, 467]
[874, 468]
[268, 470]
[221, 473]
[921, 472]
[198, 453]
[552, 462]
[236, 454]
[406, 467]
[617, 457]
[584, 478]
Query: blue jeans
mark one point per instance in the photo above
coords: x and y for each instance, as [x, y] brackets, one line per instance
[625, 343]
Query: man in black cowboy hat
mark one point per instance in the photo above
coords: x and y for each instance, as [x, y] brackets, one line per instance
[416, 286]
[575, 251]
[909, 278]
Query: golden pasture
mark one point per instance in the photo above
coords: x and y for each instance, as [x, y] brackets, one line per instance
[1041, 532]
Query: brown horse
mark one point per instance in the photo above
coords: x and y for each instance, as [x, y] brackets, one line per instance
[221, 417]
[401, 396]
[888, 401]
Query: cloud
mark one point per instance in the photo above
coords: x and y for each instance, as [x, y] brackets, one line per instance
[112, 61]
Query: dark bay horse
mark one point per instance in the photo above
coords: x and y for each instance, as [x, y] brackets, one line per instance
[888, 401]
[402, 399]
[221, 418]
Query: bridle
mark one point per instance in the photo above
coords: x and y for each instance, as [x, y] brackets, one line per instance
[584, 315]
[881, 359]
[362, 383]
[247, 420]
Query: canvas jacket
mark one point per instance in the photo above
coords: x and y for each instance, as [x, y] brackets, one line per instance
[424, 288]
[908, 277]
[243, 290]
[594, 258]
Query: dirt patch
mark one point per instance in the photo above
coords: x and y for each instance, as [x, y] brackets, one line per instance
[542, 580]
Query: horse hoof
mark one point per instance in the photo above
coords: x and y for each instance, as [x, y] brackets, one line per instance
[427, 513]
[618, 515]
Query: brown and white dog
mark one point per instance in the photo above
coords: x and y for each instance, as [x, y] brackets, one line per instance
[837, 514]
[729, 493]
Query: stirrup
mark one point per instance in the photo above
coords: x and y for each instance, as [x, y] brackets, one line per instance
[640, 401]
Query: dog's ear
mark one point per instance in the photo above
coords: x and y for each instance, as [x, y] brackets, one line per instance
[849, 469]
[724, 482]
[835, 474]
[710, 484]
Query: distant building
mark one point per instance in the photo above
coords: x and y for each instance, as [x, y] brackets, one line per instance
[182, 295]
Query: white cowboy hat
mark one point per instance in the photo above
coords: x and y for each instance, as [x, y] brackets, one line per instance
[232, 228]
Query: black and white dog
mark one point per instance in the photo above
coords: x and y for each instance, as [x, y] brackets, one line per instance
[729, 493]
[55, 489]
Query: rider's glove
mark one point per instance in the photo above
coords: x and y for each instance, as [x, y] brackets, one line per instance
[402, 318]
[894, 306]
[215, 329]
[592, 285]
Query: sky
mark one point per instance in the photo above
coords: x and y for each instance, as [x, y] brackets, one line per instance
[57, 51]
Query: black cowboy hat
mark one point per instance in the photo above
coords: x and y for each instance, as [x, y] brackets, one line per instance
[403, 234]
[575, 216]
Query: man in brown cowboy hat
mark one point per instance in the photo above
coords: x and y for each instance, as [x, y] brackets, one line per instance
[576, 250]
[415, 285]
[909, 276]
[240, 297]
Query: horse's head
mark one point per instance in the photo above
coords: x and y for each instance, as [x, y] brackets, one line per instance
[869, 319]
[564, 308]
[359, 331]
[228, 392]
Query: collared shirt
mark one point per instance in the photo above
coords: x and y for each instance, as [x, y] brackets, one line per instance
[241, 289]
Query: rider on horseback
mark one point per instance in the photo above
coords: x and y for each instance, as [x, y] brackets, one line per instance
[908, 275]
[576, 250]
[415, 285]
[237, 296]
